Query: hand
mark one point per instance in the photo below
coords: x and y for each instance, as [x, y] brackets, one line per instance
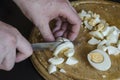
[10, 40]
[41, 12]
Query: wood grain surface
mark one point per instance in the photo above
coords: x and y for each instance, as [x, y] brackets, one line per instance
[110, 11]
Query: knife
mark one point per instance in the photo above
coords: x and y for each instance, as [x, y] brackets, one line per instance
[46, 45]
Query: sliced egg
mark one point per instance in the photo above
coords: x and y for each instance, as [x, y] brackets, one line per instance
[100, 27]
[113, 37]
[82, 14]
[107, 30]
[62, 39]
[87, 25]
[56, 60]
[52, 68]
[99, 60]
[102, 45]
[118, 44]
[71, 61]
[93, 41]
[113, 50]
[59, 39]
[63, 46]
[69, 52]
[62, 71]
[96, 34]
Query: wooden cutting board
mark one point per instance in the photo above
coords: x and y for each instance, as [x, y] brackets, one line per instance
[110, 11]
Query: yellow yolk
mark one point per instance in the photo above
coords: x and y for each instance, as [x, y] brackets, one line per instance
[96, 57]
[100, 27]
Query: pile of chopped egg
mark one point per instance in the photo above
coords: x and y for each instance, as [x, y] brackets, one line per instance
[106, 37]
[103, 35]
[67, 49]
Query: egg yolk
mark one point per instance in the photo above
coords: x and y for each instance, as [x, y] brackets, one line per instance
[96, 57]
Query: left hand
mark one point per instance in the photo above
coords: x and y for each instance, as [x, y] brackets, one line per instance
[41, 12]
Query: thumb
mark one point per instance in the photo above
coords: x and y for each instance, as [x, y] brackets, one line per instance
[24, 48]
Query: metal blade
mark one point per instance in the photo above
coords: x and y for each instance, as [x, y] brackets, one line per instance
[46, 45]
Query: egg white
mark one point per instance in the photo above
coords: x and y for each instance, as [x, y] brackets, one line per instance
[103, 66]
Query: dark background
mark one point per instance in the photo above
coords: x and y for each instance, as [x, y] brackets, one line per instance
[11, 14]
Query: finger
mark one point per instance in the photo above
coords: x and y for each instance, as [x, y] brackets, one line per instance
[2, 52]
[65, 34]
[9, 60]
[24, 48]
[72, 7]
[46, 31]
[60, 32]
[58, 25]
[73, 19]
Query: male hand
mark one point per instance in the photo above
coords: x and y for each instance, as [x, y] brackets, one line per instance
[41, 12]
[10, 40]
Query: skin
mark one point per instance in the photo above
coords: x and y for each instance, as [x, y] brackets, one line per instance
[10, 40]
[40, 12]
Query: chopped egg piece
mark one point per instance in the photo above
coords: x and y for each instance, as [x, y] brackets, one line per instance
[96, 15]
[102, 45]
[92, 22]
[96, 34]
[90, 12]
[93, 41]
[106, 31]
[104, 76]
[102, 42]
[100, 27]
[63, 46]
[118, 44]
[115, 28]
[87, 25]
[113, 37]
[69, 52]
[103, 63]
[97, 19]
[52, 69]
[61, 39]
[82, 14]
[113, 50]
[71, 61]
[56, 60]
[62, 70]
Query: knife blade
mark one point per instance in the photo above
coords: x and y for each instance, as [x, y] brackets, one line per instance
[46, 45]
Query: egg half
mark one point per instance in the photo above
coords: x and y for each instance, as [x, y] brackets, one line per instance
[99, 59]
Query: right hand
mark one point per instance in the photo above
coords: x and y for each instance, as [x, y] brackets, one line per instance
[10, 40]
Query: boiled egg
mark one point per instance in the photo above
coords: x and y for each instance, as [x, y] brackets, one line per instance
[99, 60]
[93, 41]
[96, 34]
[71, 61]
[56, 60]
[63, 47]
[52, 68]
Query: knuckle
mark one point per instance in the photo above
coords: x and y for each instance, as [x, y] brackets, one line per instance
[12, 39]
[14, 29]
[8, 67]
[29, 53]
[2, 48]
